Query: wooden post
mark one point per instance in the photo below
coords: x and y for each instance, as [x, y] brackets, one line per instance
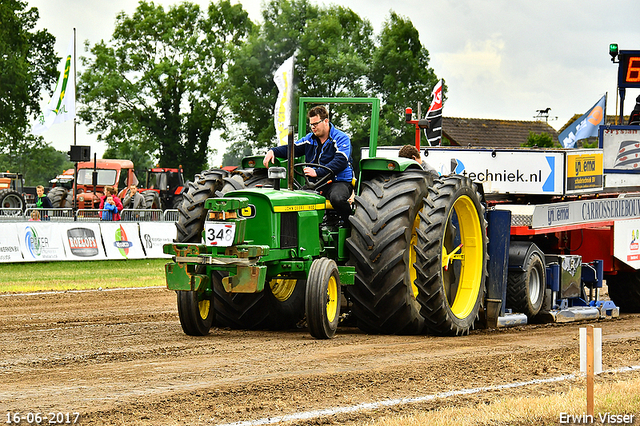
[590, 369]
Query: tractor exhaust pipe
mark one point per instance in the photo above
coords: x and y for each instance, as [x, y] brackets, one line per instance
[290, 155]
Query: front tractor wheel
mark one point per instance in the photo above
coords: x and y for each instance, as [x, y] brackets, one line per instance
[322, 301]
[451, 256]
[195, 310]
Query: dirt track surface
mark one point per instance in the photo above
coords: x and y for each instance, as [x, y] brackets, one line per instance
[120, 357]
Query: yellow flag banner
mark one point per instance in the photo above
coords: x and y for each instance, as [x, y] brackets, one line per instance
[283, 78]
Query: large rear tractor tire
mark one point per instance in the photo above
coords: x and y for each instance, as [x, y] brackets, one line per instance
[322, 301]
[196, 310]
[236, 181]
[381, 247]
[191, 213]
[624, 290]
[12, 199]
[60, 198]
[451, 256]
[151, 200]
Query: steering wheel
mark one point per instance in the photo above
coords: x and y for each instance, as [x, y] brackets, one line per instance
[308, 184]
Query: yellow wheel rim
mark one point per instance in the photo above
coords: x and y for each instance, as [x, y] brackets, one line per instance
[203, 307]
[413, 274]
[332, 299]
[469, 254]
[282, 288]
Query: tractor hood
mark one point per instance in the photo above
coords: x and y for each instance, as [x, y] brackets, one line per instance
[282, 200]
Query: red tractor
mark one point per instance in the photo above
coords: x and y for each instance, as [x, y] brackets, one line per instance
[168, 184]
[92, 179]
[163, 185]
[12, 192]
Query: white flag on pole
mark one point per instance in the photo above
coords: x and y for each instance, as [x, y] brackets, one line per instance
[283, 78]
[62, 106]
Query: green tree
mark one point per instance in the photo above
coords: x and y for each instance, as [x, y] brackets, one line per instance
[38, 162]
[333, 47]
[539, 140]
[27, 64]
[400, 75]
[160, 84]
[252, 91]
[337, 55]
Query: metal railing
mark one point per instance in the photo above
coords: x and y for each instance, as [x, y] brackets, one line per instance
[85, 215]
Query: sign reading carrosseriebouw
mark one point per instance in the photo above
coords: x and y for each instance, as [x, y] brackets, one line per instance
[585, 211]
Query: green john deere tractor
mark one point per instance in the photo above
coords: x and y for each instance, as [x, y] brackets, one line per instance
[261, 249]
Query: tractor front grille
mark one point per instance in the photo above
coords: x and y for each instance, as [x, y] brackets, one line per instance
[288, 230]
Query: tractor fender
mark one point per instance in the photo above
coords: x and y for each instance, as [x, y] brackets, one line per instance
[388, 164]
[520, 252]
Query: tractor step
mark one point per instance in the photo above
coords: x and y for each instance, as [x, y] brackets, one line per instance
[511, 320]
[581, 313]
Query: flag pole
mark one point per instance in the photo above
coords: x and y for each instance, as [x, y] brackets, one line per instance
[75, 165]
[75, 91]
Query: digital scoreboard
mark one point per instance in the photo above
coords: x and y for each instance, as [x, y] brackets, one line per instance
[629, 68]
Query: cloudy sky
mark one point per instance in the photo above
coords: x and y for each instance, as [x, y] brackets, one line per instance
[501, 59]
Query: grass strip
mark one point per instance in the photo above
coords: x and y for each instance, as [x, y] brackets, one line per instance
[615, 399]
[61, 276]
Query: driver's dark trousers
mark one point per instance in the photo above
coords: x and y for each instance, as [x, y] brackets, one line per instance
[338, 194]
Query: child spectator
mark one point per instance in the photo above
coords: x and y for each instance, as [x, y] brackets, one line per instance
[110, 191]
[110, 210]
[42, 201]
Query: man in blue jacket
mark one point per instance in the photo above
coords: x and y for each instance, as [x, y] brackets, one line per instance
[329, 147]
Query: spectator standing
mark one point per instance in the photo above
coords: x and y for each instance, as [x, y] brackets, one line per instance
[42, 201]
[110, 210]
[133, 199]
[110, 191]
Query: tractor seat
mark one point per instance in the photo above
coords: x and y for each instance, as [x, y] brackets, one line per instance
[327, 203]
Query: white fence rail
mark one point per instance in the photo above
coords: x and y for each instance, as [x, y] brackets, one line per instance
[84, 215]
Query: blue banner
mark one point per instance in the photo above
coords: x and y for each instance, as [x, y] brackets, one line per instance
[585, 126]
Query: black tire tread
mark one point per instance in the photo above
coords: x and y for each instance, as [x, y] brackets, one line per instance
[518, 289]
[60, 198]
[315, 301]
[379, 246]
[439, 320]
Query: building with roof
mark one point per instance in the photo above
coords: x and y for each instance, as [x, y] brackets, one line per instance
[482, 132]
